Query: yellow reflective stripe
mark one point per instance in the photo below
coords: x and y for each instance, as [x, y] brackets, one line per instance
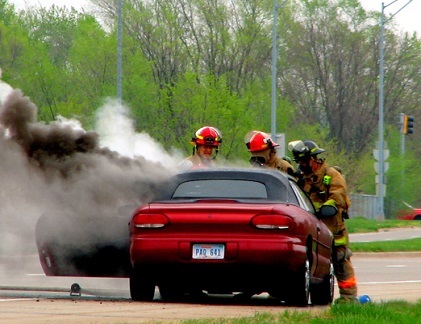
[317, 204]
[340, 241]
[330, 202]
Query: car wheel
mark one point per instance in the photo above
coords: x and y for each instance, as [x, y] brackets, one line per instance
[142, 287]
[417, 217]
[299, 291]
[170, 293]
[322, 294]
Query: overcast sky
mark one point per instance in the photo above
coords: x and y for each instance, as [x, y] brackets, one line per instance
[408, 18]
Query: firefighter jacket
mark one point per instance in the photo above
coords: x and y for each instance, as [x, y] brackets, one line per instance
[327, 186]
[280, 164]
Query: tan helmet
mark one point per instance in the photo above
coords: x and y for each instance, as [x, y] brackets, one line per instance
[303, 150]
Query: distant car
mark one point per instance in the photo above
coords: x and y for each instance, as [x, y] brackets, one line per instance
[410, 214]
[229, 231]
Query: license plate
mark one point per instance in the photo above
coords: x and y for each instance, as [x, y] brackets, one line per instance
[208, 251]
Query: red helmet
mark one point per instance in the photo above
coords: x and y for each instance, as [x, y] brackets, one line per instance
[257, 141]
[207, 136]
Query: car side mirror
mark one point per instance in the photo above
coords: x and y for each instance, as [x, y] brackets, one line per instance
[327, 211]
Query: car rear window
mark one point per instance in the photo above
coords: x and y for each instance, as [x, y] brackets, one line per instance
[221, 189]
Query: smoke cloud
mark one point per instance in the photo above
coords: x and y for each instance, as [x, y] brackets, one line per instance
[61, 169]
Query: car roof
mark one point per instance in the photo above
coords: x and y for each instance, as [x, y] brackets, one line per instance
[275, 181]
[234, 173]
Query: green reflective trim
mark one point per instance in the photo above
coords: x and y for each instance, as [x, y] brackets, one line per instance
[326, 180]
[330, 202]
[340, 241]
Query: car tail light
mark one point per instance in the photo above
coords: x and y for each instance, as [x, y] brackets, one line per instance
[150, 221]
[272, 222]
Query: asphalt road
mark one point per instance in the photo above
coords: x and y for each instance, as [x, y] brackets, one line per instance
[27, 295]
[387, 235]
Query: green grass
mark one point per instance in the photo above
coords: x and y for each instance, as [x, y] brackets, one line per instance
[363, 225]
[373, 313]
[410, 245]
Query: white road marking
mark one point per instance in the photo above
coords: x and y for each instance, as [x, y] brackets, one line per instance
[388, 282]
[17, 299]
[396, 266]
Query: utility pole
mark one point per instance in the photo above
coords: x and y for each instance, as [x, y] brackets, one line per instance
[381, 143]
[119, 51]
[274, 59]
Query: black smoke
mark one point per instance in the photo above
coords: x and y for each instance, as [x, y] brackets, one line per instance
[63, 173]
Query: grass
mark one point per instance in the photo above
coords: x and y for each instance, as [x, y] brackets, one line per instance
[410, 245]
[373, 313]
[364, 225]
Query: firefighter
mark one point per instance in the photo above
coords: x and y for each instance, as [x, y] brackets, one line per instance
[326, 186]
[263, 152]
[206, 143]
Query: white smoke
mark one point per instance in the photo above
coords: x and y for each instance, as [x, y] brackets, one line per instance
[5, 89]
[117, 132]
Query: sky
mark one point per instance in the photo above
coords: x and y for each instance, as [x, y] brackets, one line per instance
[408, 18]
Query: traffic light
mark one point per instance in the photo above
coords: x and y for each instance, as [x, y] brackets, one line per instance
[408, 124]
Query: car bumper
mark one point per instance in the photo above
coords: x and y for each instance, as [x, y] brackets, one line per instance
[281, 252]
[255, 264]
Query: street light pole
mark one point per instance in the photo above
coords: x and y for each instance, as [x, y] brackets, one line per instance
[119, 51]
[274, 58]
[381, 144]
[380, 204]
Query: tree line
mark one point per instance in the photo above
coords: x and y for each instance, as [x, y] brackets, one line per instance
[189, 63]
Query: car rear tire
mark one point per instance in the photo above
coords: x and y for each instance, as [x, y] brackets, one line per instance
[322, 294]
[142, 287]
[417, 217]
[299, 291]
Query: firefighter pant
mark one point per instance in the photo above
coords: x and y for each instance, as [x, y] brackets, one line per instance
[344, 271]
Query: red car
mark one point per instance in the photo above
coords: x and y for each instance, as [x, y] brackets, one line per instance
[410, 214]
[228, 231]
